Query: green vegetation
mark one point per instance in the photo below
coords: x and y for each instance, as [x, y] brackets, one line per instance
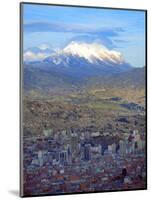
[105, 106]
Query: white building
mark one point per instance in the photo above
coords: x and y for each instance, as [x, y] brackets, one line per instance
[122, 149]
[40, 158]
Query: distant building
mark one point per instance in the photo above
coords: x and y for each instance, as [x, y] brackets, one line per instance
[122, 148]
[129, 148]
[113, 148]
[95, 134]
[133, 147]
[63, 156]
[140, 145]
[101, 150]
[48, 132]
[87, 152]
[40, 158]
[109, 148]
[64, 133]
[69, 153]
[135, 132]
[74, 143]
[82, 136]
[137, 137]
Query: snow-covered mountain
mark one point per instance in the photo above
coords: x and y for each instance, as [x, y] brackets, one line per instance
[87, 58]
[79, 61]
[78, 64]
[93, 52]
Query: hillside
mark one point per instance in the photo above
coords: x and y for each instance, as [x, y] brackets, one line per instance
[48, 79]
[35, 78]
[133, 78]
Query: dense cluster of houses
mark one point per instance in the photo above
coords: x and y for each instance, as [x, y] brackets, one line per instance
[69, 162]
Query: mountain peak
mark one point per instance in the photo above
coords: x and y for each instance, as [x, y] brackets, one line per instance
[93, 52]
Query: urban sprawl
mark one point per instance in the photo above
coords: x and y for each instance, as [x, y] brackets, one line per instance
[70, 162]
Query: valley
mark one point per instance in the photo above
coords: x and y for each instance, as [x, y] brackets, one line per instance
[92, 109]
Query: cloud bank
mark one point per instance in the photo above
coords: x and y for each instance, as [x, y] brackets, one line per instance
[82, 32]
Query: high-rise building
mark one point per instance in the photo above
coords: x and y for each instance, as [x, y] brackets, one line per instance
[140, 145]
[110, 149]
[135, 132]
[87, 152]
[133, 147]
[113, 148]
[63, 156]
[40, 158]
[64, 133]
[122, 148]
[74, 143]
[100, 149]
[129, 147]
[69, 153]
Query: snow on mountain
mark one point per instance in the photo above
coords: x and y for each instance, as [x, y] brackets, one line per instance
[93, 52]
[86, 53]
[78, 60]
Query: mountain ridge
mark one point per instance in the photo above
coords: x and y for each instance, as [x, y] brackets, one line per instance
[82, 61]
[81, 64]
[35, 78]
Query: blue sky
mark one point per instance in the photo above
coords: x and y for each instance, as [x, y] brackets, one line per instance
[120, 30]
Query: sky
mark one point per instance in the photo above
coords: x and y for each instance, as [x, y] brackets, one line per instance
[57, 26]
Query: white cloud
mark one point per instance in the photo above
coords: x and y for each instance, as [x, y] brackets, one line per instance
[44, 46]
[31, 56]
